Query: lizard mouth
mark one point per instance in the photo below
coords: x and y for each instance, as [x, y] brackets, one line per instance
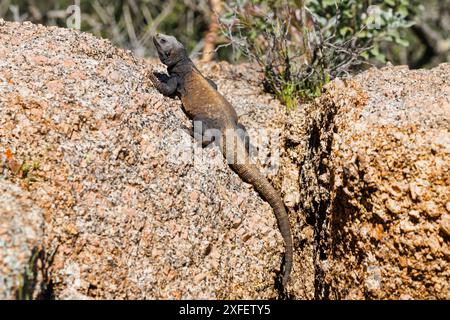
[156, 43]
[161, 53]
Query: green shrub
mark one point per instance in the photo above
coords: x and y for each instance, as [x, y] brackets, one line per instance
[129, 24]
[371, 21]
[302, 44]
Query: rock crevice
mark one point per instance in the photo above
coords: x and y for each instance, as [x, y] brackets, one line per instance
[130, 207]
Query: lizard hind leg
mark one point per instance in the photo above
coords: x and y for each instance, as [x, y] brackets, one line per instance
[198, 137]
[205, 131]
[212, 83]
[245, 138]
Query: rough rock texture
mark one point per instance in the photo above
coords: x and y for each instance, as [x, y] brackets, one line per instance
[373, 160]
[267, 126]
[390, 195]
[133, 208]
[21, 236]
[127, 211]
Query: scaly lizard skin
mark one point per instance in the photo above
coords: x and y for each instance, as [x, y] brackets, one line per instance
[219, 122]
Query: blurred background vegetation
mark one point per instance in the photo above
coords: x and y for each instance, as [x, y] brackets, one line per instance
[299, 44]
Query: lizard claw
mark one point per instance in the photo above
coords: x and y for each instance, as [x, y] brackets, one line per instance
[151, 75]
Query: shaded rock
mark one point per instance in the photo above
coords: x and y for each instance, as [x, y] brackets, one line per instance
[21, 236]
[133, 207]
[382, 141]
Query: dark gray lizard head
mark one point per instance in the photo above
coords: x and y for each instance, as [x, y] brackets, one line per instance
[170, 50]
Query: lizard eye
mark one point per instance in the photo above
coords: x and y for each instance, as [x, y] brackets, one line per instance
[163, 40]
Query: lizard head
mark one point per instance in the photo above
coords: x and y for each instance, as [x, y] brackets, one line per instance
[170, 50]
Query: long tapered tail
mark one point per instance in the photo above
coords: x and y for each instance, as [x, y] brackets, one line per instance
[251, 174]
[238, 158]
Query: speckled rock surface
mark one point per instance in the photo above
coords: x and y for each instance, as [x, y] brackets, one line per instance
[133, 208]
[391, 189]
[21, 236]
[267, 119]
[373, 160]
[127, 211]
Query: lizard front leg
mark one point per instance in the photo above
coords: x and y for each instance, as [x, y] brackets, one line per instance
[167, 88]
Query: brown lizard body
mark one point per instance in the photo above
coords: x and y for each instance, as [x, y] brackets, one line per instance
[219, 122]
